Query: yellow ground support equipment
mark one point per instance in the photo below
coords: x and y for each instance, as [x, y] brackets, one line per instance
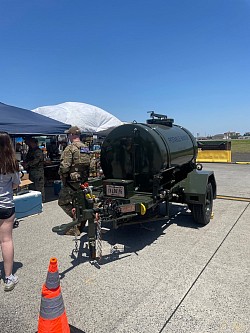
[214, 151]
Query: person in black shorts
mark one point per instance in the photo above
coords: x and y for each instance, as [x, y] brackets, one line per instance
[9, 180]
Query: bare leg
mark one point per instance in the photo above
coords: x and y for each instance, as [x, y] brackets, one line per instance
[6, 242]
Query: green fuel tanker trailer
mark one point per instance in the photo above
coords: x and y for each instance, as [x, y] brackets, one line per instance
[148, 166]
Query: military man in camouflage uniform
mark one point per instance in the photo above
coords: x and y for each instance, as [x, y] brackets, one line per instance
[34, 164]
[73, 170]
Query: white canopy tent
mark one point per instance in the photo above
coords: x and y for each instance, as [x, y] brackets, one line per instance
[89, 118]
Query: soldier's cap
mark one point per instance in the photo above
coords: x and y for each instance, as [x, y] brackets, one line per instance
[73, 130]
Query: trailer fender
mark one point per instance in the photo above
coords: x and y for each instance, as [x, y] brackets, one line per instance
[195, 186]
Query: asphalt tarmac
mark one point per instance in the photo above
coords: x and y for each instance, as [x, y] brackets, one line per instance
[170, 276]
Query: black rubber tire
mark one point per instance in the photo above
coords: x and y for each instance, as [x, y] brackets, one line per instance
[202, 213]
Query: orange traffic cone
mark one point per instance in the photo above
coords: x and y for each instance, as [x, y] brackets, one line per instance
[52, 317]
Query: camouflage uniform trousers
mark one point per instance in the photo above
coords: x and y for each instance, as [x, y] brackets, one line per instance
[37, 177]
[65, 200]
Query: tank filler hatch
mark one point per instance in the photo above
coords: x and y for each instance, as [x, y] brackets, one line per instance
[160, 119]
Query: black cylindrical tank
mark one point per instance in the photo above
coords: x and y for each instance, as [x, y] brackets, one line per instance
[140, 151]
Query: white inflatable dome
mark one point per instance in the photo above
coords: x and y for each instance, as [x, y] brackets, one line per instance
[88, 118]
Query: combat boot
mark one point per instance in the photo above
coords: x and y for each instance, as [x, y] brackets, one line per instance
[74, 231]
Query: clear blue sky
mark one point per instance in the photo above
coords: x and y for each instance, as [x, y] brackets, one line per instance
[189, 59]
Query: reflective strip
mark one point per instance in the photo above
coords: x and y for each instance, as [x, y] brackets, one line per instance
[52, 308]
[52, 281]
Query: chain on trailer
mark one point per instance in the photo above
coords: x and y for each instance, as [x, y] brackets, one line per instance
[76, 249]
[98, 236]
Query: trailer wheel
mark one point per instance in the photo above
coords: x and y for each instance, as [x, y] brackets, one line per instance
[202, 213]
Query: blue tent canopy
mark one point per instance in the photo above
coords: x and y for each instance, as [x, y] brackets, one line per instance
[17, 121]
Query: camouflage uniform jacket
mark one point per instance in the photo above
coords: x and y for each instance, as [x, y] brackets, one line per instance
[74, 164]
[34, 159]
